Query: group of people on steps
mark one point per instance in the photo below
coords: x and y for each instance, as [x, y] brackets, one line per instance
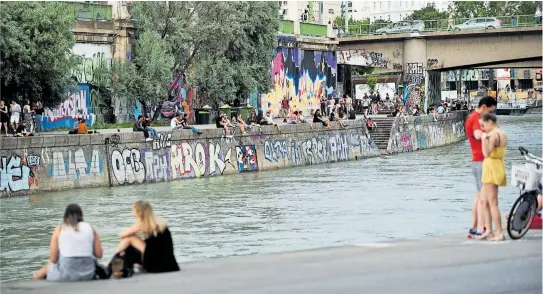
[75, 246]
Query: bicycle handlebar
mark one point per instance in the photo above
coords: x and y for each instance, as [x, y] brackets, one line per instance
[530, 156]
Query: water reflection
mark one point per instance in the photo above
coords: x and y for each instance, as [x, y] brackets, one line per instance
[403, 196]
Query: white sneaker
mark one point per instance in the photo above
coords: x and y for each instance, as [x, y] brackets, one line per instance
[149, 140]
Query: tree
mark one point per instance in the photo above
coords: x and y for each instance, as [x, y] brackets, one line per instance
[224, 48]
[372, 83]
[35, 50]
[427, 13]
[471, 9]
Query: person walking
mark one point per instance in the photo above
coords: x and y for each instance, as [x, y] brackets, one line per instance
[494, 145]
[474, 134]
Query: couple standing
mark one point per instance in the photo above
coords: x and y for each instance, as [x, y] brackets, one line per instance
[488, 143]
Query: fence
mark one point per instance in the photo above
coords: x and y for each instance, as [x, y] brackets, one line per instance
[442, 25]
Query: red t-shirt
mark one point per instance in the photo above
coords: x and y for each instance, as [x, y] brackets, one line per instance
[472, 124]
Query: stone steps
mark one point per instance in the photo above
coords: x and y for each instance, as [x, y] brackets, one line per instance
[382, 133]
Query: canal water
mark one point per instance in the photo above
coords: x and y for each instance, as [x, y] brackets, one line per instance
[404, 196]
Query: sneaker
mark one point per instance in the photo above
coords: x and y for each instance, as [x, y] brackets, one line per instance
[149, 140]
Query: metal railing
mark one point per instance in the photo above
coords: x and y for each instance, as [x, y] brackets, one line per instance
[443, 25]
[91, 11]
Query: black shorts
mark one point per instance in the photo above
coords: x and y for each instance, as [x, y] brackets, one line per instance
[365, 107]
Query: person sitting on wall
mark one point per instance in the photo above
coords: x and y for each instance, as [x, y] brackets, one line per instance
[218, 120]
[175, 123]
[82, 127]
[139, 128]
[240, 123]
[252, 121]
[225, 124]
[292, 117]
[317, 118]
[185, 125]
[146, 124]
[21, 130]
[267, 120]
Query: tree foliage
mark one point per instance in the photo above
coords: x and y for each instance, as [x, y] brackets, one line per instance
[427, 13]
[224, 48]
[469, 9]
[35, 50]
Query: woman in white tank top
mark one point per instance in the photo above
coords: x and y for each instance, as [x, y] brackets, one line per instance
[74, 245]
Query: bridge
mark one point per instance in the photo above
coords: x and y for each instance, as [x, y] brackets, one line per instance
[420, 57]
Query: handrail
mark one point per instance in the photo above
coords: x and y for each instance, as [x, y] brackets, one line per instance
[443, 25]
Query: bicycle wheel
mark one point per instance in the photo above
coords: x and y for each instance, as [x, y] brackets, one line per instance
[522, 215]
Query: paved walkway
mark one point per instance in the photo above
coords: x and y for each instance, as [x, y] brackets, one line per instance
[446, 264]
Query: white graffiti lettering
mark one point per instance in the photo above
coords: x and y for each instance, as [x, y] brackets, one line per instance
[127, 166]
[14, 175]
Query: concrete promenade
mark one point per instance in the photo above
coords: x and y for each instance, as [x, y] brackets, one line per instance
[445, 264]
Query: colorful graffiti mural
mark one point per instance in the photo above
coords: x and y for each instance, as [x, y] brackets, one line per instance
[247, 160]
[18, 174]
[304, 77]
[77, 105]
[414, 85]
[180, 99]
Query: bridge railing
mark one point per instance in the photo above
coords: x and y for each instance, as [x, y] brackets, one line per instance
[443, 25]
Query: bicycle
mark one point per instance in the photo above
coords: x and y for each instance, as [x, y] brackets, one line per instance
[528, 178]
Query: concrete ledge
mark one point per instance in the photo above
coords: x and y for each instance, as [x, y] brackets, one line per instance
[444, 264]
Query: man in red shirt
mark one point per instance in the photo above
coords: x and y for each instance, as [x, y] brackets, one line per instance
[474, 134]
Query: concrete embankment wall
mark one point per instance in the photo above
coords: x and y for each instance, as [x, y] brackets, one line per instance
[423, 132]
[50, 163]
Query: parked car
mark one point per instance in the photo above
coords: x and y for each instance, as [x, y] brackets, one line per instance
[407, 26]
[480, 24]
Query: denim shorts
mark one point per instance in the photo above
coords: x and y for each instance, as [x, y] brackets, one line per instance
[477, 169]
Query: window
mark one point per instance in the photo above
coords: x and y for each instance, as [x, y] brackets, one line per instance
[525, 84]
[331, 11]
[389, 17]
[374, 6]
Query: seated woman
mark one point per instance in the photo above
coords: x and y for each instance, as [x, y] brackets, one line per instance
[73, 247]
[154, 253]
[185, 125]
[241, 123]
[318, 118]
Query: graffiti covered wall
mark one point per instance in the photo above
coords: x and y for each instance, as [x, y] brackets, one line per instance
[301, 76]
[423, 132]
[77, 105]
[91, 58]
[79, 161]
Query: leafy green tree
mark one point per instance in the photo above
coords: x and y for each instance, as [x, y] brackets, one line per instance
[470, 9]
[427, 13]
[35, 50]
[224, 48]
[372, 83]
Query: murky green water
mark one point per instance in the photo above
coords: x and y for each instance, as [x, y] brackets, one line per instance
[403, 196]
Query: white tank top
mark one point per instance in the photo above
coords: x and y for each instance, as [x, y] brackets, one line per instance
[79, 243]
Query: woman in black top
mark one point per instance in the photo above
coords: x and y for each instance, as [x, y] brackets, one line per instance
[4, 117]
[154, 253]
[318, 118]
[38, 110]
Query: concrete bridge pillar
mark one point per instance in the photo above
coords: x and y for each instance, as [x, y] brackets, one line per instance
[414, 51]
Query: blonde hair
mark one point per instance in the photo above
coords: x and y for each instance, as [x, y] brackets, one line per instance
[150, 223]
